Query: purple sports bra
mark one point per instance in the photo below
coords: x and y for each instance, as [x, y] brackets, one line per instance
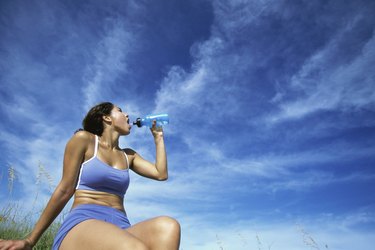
[96, 175]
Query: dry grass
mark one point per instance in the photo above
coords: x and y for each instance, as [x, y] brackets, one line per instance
[15, 223]
[308, 240]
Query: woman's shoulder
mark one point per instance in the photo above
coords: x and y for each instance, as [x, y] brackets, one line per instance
[129, 151]
[82, 137]
[83, 134]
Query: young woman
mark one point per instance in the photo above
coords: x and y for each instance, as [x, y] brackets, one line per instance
[96, 172]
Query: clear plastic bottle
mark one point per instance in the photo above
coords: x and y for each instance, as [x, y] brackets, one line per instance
[161, 120]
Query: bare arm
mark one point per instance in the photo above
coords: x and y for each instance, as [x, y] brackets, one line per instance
[74, 154]
[159, 170]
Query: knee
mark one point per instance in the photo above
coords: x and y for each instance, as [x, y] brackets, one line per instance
[169, 226]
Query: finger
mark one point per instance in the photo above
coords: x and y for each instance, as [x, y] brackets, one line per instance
[5, 244]
[153, 126]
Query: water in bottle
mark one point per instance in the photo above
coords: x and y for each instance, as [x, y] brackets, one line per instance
[161, 120]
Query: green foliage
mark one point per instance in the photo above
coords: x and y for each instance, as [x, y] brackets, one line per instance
[13, 226]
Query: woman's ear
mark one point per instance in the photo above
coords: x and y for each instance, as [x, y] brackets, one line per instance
[107, 119]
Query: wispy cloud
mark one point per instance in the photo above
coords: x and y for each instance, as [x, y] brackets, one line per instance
[332, 86]
[287, 234]
[109, 62]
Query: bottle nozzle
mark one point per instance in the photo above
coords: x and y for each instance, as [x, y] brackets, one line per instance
[138, 122]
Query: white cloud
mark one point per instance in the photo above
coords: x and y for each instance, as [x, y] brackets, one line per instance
[26, 156]
[109, 62]
[330, 86]
[204, 93]
[284, 234]
[180, 90]
[236, 15]
[42, 145]
[215, 87]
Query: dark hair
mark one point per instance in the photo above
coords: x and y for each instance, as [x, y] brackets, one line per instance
[93, 121]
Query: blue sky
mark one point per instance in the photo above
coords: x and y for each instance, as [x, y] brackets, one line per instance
[271, 105]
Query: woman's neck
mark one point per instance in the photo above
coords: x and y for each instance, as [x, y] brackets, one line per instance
[109, 139]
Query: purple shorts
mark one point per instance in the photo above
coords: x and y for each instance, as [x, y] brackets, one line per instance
[87, 212]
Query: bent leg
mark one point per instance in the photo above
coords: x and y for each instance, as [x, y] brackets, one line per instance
[158, 233]
[95, 234]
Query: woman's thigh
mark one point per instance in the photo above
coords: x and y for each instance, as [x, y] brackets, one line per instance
[158, 233]
[95, 234]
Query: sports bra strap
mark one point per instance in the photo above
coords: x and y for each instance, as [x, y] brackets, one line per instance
[127, 160]
[96, 146]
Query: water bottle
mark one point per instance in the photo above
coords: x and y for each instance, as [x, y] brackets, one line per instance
[161, 119]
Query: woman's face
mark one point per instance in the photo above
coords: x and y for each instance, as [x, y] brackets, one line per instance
[120, 121]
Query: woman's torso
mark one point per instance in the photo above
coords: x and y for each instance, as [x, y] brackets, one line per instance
[103, 177]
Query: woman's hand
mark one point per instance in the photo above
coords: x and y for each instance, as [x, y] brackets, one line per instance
[157, 132]
[15, 245]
